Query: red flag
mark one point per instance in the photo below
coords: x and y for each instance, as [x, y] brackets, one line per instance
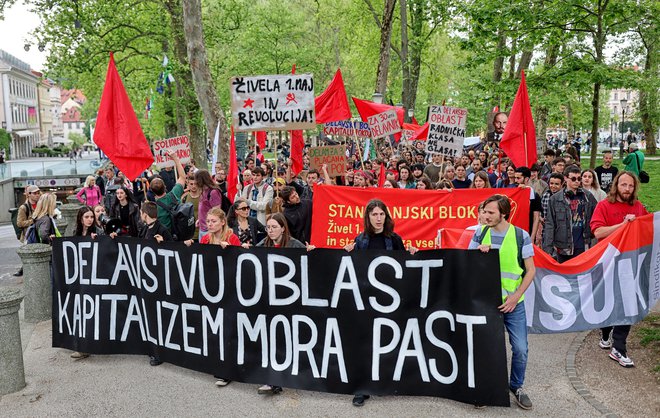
[495, 109]
[118, 133]
[519, 138]
[293, 69]
[366, 108]
[422, 133]
[297, 146]
[332, 104]
[261, 139]
[232, 174]
[381, 175]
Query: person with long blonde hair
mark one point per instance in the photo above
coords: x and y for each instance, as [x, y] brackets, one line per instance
[44, 223]
[90, 194]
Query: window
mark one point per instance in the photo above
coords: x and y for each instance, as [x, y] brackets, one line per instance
[616, 95]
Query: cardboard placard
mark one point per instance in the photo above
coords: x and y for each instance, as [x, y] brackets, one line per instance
[446, 131]
[384, 124]
[178, 144]
[347, 128]
[334, 156]
[272, 102]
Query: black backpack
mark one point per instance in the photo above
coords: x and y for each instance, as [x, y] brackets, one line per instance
[183, 220]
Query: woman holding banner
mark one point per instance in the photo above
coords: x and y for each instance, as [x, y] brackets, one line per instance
[278, 237]
[378, 234]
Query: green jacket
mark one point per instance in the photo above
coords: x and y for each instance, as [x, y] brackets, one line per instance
[631, 161]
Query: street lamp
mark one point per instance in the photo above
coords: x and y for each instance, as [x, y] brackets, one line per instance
[377, 98]
[411, 113]
[623, 102]
[611, 127]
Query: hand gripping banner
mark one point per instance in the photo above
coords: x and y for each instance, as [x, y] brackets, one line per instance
[373, 322]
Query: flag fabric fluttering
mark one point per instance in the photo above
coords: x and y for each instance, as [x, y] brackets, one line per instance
[332, 104]
[519, 138]
[381, 175]
[165, 77]
[260, 136]
[118, 133]
[422, 133]
[297, 146]
[232, 172]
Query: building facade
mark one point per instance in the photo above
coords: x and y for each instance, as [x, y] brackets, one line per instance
[71, 111]
[19, 105]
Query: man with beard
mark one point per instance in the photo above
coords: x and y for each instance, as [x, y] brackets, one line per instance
[620, 207]
[499, 123]
[298, 214]
[606, 172]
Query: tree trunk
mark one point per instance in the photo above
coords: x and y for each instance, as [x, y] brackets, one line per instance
[405, 60]
[542, 111]
[385, 36]
[599, 43]
[523, 64]
[648, 95]
[512, 60]
[203, 82]
[498, 65]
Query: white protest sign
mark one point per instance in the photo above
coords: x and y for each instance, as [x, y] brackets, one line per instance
[179, 144]
[272, 102]
[384, 124]
[446, 131]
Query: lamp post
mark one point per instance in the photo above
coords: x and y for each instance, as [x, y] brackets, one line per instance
[623, 102]
[377, 98]
[611, 127]
[411, 113]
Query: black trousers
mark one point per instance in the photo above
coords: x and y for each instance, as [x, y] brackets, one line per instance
[563, 258]
[619, 336]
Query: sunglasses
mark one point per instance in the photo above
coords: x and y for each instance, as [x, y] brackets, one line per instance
[243, 208]
[574, 178]
[37, 192]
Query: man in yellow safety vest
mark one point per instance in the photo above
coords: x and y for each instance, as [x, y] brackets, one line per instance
[516, 271]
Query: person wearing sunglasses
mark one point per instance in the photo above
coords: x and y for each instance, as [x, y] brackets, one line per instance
[249, 230]
[566, 228]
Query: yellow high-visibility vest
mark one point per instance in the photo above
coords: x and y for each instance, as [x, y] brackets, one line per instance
[510, 270]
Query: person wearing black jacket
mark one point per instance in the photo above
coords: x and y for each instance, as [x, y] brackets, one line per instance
[153, 229]
[126, 209]
[249, 229]
[298, 214]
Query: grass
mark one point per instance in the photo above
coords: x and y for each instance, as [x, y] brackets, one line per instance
[649, 336]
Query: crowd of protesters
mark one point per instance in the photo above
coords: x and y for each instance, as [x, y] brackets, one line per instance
[571, 207]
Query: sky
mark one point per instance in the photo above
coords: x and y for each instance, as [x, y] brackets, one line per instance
[14, 32]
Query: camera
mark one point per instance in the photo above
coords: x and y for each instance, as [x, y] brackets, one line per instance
[110, 225]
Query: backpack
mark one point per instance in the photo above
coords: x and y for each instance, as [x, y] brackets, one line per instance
[183, 220]
[519, 243]
[14, 218]
[31, 235]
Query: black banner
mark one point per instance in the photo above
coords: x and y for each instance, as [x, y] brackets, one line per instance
[371, 322]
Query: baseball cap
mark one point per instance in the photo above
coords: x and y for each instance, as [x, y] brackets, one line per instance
[32, 188]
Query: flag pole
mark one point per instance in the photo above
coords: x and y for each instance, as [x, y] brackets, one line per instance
[357, 144]
[526, 156]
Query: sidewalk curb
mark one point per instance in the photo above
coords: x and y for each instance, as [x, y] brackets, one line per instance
[576, 381]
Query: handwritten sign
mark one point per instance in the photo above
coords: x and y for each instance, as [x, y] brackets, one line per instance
[179, 144]
[272, 102]
[446, 130]
[347, 128]
[384, 124]
[334, 157]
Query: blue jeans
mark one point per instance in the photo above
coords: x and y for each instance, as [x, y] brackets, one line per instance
[516, 325]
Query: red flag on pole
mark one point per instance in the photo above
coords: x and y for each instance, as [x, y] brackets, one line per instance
[519, 138]
[232, 173]
[297, 146]
[332, 104]
[381, 175]
[422, 133]
[118, 133]
[261, 139]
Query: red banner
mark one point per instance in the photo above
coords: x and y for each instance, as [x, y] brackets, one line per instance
[338, 212]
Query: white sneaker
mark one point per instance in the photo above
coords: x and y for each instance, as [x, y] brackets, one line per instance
[222, 382]
[605, 344]
[623, 360]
